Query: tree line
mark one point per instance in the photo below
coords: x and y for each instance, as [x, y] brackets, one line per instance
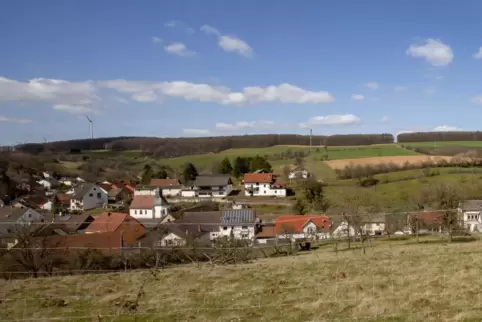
[439, 136]
[174, 147]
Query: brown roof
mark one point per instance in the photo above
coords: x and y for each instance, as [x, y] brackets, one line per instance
[267, 232]
[165, 182]
[73, 222]
[107, 187]
[258, 177]
[107, 221]
[114, 192]
[430, 217]
[143, 202]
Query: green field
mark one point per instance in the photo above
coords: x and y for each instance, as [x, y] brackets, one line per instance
[397, 280]
[469, 144]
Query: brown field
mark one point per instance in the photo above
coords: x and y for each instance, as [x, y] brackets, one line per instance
[398, 160]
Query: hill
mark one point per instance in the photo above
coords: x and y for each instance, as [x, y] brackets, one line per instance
[394, 281]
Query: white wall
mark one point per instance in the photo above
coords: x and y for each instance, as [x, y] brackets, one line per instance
[238, 231]
[145, 192]
[188, 193]
[264, 189]
[171, 192]
[46, 184]
[47, 205]
[342, 231]
[172, 240]
[472, 220]
[140, 213]
[94, 198]
[217, 191]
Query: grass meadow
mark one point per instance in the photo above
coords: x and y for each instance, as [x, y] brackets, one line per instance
[398, 280]
[469, 144]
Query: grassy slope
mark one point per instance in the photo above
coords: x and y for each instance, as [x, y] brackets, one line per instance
[394, 281]
[470, 144]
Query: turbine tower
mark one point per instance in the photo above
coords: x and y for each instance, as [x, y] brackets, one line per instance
[91, 126]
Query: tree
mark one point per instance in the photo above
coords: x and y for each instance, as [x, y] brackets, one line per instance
[147, 174]
[314, 195]
[225, 166]
[189, 172]
[260, 163]
[161, 174]
[286, 171]
[241, 166]
[300, 161]
[448, 199]
[299, 207]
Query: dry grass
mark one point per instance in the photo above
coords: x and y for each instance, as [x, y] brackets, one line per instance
[399, 160]
[394, 281]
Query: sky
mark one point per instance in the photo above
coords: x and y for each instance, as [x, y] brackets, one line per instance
[209, 68]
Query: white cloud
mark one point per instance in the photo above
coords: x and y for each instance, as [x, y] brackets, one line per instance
[4, 119]
[400, 88]
[331, 120]
[179, 49]
[434, 51]
[478, 55]
[477, 99]
[156, 40]
[445, 128]
[384, 119]
[196, 131]
[179, 24]
[357, 97]
[237, 126]
[171, 24]
[372, 85]
[284, 93]
[74, 109]
[439, 77]
[229, 43]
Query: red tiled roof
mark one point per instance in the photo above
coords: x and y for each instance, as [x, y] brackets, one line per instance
[296, 223]
[267, 232]
[106, 222]
[63, 198]
[142, 202]
[258, 177]
[165, 182]
[430, 217]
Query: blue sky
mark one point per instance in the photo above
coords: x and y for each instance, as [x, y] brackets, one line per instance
[206, 68]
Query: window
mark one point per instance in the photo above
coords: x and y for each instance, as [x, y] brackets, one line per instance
[244, 227]
[244, 235]
[225, 228]
[90, 195]
[98, 195]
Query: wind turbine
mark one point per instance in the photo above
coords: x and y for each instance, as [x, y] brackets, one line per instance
[91, 126]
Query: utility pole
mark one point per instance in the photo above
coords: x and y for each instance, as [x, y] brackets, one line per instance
[311, 133]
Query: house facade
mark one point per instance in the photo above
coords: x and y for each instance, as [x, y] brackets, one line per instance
[302, 227]
[209, 186]
[298, 173]
[262, 184]
[238, 224]
[87, 196]
[149, 206]
[169, 187]
[470, 213]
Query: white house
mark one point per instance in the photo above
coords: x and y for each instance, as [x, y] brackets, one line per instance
[87, 196]
[262, 184]
[470, 213]
[48, 183]
[219, 186]
[298, 173]
[169, 187]
[302, 227]
[149, 206]
[12, 218]
[371, 226]
[238, 224]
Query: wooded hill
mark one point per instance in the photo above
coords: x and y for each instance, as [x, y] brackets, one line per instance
[439, 136]
[174, 147]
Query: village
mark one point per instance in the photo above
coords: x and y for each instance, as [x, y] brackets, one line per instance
[118, 216]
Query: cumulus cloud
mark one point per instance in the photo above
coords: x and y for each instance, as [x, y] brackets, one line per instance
[179, 24]
[477, 99]
[445, 128]
[229, 43]
[284, 93]
[372, 85]
[433, 51]
[179, 49]
[74, 109]
[478, 55]
[156, 40]
[331, 120]
[357, 97]
[237, 126]
[4, 119]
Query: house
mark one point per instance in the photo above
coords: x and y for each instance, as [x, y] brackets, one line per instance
[123, 184]
[169, 187]
[149, 206]
[49, 183]
[87, 196]
[373, 225]
[238, 223]
[62, 201]
[12, 219]
[202, 221]
[302, 227]
[35, 201]
[262, 184]
[429, 221]
[218, 186]
[265, 234]
[470, 213]
[174, 235]
[73, 224]
[117, 222]
[298, 173]
[119, 195]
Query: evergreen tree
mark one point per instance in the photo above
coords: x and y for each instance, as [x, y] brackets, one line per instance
[313, 191]
[189, 172]
[225, 166]
[260, 163]
[147, 174]
[241, 166]
[161, 174]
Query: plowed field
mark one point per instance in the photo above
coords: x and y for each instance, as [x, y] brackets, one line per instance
[398, 160]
